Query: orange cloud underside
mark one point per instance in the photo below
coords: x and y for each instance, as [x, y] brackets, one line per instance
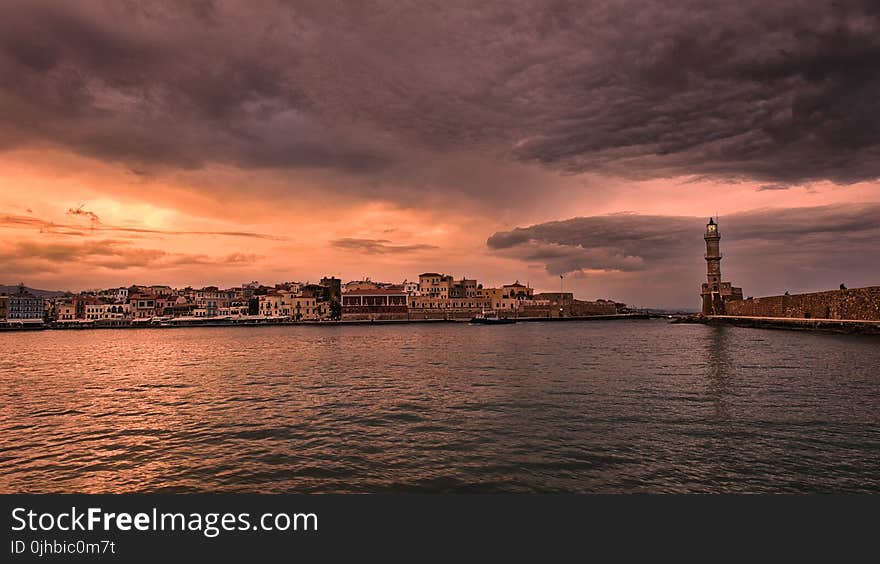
[70, 222]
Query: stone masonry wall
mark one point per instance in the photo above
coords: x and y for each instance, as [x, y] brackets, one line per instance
[857, 303]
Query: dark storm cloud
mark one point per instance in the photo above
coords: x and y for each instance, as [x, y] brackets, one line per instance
[609, 242]
[784, 91]
[764, 249]
[376, 246]
[163, 84]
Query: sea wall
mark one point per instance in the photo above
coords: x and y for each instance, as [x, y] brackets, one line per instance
[573, 308]
[857, 303]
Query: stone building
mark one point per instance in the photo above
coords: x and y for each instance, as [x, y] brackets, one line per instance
[143, 306]
[65, 311]
[24, 305]
[464, 288]
[563, 304]
[716, 293]
[411, 288]
[112, 310]
[434, 285]
[4, 306]
[357, 285]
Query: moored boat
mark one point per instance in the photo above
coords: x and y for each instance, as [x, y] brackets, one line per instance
[491, 318]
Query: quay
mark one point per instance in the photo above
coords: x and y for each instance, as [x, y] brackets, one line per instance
[256, 321]
[843, 326]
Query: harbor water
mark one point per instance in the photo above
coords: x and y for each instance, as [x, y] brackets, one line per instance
[605, 406]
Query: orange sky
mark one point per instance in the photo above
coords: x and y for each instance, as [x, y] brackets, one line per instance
[185, 212]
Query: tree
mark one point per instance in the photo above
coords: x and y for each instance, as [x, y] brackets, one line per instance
[335, 310]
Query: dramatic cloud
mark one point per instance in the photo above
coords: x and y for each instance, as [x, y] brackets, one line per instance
[376, 246]
[763, 90]
[612, 242]
[95, 226]
[802, 248]
[213, 132]
[31, 256]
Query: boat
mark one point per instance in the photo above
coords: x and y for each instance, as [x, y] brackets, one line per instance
[491, 318]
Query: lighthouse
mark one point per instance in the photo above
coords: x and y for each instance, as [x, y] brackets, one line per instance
[715, 292]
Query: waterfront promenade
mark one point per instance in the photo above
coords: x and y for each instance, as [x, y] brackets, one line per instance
[257, 321]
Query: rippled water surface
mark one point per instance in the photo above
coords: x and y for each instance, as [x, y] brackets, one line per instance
[622, 406]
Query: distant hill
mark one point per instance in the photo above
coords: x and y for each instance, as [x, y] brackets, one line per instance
[37, 292]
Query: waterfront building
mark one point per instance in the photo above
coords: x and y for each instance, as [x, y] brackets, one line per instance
[305, 308]
[65, 311]
[247, 290]
[464, 288]
[161, 290]
[435, 285]
[208, 301]
[235, 308]
[177, 306]
[375, 303]
[273, 304]
[4, 306]
[290, 305]
[121, 294]
[411, 288]
[357, 285]
[317, 291]
[118, 295]
[81, 301]
[24, 305]
[427, 307]
[143, 306]
[292, 287]
[112, 310]
[517, 291]
[563, 304]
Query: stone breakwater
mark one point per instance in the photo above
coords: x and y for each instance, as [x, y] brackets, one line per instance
[855, 304]
[846, 326]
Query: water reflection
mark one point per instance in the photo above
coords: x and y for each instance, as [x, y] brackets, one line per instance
[719, 369]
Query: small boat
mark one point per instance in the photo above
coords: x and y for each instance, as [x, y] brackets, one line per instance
[491, 318]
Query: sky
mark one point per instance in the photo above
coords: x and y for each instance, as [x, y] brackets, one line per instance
[212, 142]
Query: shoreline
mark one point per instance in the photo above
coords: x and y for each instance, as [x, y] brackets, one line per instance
[275, 323]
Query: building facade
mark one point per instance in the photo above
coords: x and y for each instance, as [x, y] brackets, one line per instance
[25, 306]
[434, 285]
[65, 311]
[95, 312]
[375, 304]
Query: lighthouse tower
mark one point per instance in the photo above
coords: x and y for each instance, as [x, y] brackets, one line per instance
[714, 291]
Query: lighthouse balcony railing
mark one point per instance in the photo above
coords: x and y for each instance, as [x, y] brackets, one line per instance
[718, 256]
